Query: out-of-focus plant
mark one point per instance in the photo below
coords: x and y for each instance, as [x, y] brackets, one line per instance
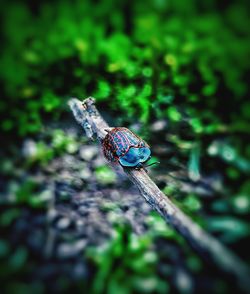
[186, 63]
[195, 56]
[132, 263]
[44, 150]
[129, 261]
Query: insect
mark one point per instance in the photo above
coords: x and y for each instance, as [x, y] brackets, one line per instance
[120, 145]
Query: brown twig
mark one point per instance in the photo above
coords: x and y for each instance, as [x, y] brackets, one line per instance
[206, 245]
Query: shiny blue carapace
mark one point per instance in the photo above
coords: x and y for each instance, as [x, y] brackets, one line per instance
[135, 156]
[123, 146]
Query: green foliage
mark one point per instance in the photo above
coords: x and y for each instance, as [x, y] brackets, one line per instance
[230, 155]
[9, 216]
[105, 175]
[129, 261]
[183, 62]
[44, 150]
[28, 193]
[230, 228]
[193, 55]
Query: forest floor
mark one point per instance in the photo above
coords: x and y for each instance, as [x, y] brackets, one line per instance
[75, 202]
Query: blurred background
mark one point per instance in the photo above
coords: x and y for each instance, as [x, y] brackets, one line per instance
[174, 72]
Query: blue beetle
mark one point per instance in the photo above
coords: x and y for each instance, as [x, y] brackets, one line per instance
[120, 145]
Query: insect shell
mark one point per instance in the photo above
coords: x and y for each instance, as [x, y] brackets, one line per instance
[120, 145]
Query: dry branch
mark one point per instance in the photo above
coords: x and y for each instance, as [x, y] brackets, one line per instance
[206, 245]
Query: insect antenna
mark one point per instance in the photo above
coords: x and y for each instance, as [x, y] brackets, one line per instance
[156, 162]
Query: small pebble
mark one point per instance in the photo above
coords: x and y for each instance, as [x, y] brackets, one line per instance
[85, 174]
[158, 125]
[183, 282]
[80, 224]
[88, 152]
[77, 183]
[115, 195]
[63, 223]
[68, 250]
[29, 148]
[83, 211]
[80, 271]
[99, 161]
[52, 214]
